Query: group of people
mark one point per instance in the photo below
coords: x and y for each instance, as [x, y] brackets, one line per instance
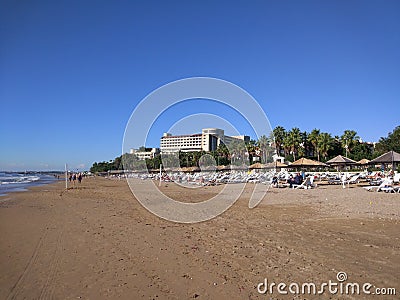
[73, 177]
[297, 180]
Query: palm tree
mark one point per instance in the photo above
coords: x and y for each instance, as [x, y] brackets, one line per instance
[237, 150]
[292, 141]
[348, 140]
[313, 139]
[324, 143]
[263, 143]
[303, 147]
[222, 150]
[251, 148]
[279, 136]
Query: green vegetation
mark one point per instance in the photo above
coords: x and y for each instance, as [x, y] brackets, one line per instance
[291, 144]
[391, 142]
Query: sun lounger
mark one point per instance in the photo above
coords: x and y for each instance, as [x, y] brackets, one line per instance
[307, 183]
[385, 184]
[354, 179]
[334, 181]
[396, 178]
[391, 189]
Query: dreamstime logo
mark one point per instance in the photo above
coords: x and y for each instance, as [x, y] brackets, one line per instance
[332, 287]
[158, 102]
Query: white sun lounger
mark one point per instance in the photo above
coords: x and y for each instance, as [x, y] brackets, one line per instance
[391, 189]
[396, 177]
[385, 183]
[353, 179]
[307, 183]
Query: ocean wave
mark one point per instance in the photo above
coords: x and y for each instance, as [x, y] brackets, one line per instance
[18, 179]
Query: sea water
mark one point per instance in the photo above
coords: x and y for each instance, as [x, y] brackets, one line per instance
[14, 182]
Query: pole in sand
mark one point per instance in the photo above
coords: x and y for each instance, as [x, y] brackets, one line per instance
[66, 177]
[160, 175]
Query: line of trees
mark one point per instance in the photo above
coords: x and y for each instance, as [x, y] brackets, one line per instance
[292, 144]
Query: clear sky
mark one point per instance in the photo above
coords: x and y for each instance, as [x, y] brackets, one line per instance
[71, 72]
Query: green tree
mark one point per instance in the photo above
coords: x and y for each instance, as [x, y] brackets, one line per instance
[101, 167]
[391, 142]
[251, 149]
[263, 143]
[360, 151]
[237, 149]
[336, 147]
[348, 140]
[324, 143]
[279, 137]
[117, 163]
[292, 141]
[222, 157]
[313, 139]
[303, 146]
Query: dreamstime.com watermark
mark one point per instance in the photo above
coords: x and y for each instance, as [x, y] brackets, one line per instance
[339, 287]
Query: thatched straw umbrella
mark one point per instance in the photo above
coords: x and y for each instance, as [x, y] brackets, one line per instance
[257, 166]
[241, 167]
[363, 162]
[341, 161]
[223, 168]
[305, 162]
[390, 157]
[189, 169]
[276, 165]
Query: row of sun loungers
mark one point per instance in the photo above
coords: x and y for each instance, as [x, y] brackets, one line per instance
[352, 180]
[270, 178]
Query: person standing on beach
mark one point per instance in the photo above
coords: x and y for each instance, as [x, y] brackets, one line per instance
[290, 181]
[80, 177]
[73, 178]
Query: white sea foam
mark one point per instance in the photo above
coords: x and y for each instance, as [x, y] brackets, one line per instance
[17, 178]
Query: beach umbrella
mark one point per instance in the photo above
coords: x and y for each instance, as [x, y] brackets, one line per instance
[189, 169]
[194, 169]
[208, 168]
[223, 168]
[363, 161]
[241, 167]
[390, 157]
[305, 162]
[276, 165]
[341, 161]
[257, 166]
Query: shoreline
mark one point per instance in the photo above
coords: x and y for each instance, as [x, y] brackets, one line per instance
[13, 187]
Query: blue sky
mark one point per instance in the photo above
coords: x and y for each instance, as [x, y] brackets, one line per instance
[72, 72]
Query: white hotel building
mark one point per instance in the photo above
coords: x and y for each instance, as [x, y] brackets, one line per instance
[148, 153]
[208, 140]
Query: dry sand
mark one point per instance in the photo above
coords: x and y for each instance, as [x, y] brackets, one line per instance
[96, 241]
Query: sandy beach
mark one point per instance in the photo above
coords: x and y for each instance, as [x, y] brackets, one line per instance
[96, 241]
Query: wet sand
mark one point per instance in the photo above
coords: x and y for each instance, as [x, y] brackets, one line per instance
[96, 242]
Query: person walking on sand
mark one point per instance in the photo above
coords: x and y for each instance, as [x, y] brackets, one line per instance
[73, 178]
[80, 178]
